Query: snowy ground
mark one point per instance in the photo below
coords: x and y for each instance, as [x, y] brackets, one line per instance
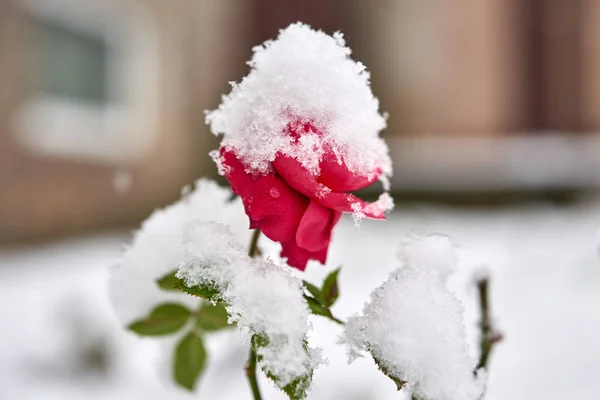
[59, 338]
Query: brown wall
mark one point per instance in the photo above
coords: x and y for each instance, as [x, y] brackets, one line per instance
[466, 67]
[42, 196]
[444, 67]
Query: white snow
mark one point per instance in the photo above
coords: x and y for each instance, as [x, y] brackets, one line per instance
[304, 76]
[261, 297]
[413, 326]
[156, 249]
[357, 214]
[545, 291]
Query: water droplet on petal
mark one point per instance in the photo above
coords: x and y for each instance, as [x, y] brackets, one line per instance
[274, 193]
[250, 199]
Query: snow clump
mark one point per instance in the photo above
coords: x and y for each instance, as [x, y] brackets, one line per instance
[304, 77]
[413, 325]
[156, 249]
[261, 297]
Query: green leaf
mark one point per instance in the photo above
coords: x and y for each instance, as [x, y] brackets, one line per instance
[189, 360]
[212, 317]
[330, 288]
[208, 292]
[295, 390]
[315, 291]
[168, 281]
[316, 308]
[298, 389]
[165, 319]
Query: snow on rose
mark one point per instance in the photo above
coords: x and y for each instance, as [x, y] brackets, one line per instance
[300, 133]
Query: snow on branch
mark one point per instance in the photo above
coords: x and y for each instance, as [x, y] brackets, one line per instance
[413, 325]
[265, 300]
[156, 249]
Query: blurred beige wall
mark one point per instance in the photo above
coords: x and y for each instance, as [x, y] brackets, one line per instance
[46, 194]
[444, 67]
[591, 65]
[484, 67]
[460, 79]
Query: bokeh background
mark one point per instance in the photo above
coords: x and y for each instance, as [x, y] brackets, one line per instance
[494, 131]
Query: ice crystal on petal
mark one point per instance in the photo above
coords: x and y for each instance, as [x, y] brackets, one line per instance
[357, 214]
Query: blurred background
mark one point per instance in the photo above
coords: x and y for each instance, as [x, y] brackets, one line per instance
[494, 117]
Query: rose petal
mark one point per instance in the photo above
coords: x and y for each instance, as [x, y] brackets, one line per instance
[277, 208]
[270, 203]
[337, 215]
[315, 227]
[338, 178]
[298, 257]
[235, 172]
[299, 253]
[303, 181]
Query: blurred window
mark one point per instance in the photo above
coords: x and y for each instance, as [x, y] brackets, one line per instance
[69, 63]
[92, 80]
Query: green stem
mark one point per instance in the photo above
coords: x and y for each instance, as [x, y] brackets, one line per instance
[488, 336]
[334, 319]
[251, 374]
[252, 360]
[253, 250]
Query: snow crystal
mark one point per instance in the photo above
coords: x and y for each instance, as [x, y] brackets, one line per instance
[413, 326]
[357, 214]
[261, 297]
[384, 204]
[304, 77]
[156, 249]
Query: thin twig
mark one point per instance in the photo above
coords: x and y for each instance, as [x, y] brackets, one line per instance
[253, 250]
[489, 336]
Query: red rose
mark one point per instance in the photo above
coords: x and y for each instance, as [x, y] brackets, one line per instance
[292, 206]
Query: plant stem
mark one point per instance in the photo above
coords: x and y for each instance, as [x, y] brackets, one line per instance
[253, 249]
[252, 361]
[488, 335]
[251, 374]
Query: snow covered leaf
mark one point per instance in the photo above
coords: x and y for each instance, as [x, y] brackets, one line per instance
[156, 250]
[212, 317]
[330, 288]
[206, 290]
[413, 326]
[189, 360]
[163, 320]
[144, 277]
[295, 390]
[264, 299]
